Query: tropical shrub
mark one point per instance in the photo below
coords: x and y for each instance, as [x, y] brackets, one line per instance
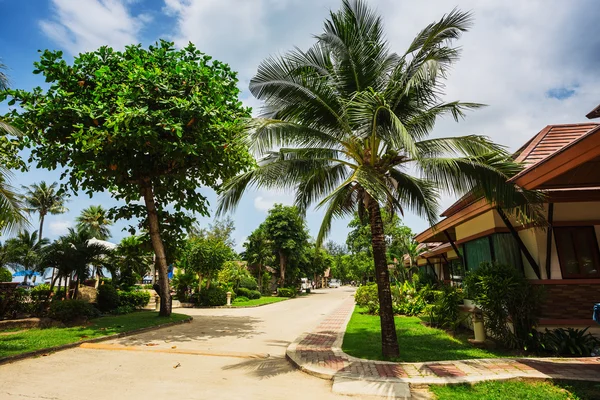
[444, 312]
[5, 275]
[286, 292]
[242, 291]
[569, 342]
[248, 282]
[184, 284]
[124, 309]
[504, 294]
[366, 294]
[108, 298]
[11, 302]
[254, 294]
[135, 299]
[72, 310]
[212, 297]
[232, 274]
[39, 299]
[240, 299]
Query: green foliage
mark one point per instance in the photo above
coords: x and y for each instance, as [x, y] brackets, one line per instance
[123, 309]
[248, 282]
[250, 294]
[95, 220]
[444, 313]
[212, 297]
[136, 299]
[131, 260]
[12, 302]
[366, 296]
[569, 342]
[259, 253]
[286, 292]
[184, 284]
[72, 310]
[108, 298]
[232, 274]
[5, 275]
[503, 294]
[205, 255]
[240, 299]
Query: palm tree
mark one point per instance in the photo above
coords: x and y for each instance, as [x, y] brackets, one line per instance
[95, 220]
[73, 253]
[44, 199]
[11, 215]
[350, 121]
[26, 252]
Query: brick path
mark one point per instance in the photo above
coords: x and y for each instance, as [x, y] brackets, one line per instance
[319, 353]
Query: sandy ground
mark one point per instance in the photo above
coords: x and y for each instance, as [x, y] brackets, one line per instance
[222, 354]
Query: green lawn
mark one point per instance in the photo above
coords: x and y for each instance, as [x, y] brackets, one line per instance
[258, 302]
[418, 343]
[498, 390]
[37, 339]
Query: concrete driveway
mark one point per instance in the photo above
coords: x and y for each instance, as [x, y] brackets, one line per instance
[222, 354]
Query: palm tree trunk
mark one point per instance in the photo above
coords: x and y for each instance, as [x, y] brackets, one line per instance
[259, 279]
[159, 250]
[389, 340]
[281, 269]
[41, 226]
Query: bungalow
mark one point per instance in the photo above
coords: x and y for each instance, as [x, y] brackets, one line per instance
[564, 257]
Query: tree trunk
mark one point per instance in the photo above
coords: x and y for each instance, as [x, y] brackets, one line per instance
[199, 282]
[259, 279]
[389, 340]
[41, 227]
[281, 269]
[159, 250]
[208, 283]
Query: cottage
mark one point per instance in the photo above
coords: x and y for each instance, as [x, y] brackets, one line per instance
[564, 161]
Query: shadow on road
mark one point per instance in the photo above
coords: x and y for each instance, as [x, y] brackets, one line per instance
[202, 328]
[263, 368]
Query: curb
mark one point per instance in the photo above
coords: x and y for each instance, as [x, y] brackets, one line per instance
[36, 353]
[332, 374]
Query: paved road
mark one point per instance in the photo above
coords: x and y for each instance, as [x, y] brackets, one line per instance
[222, 354]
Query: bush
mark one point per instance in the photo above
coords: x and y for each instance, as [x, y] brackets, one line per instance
[444, 313]
[254, 294]
[503, 294]
[248, 282]
[184, 284]
[5, 275]
[286, 292]
[366, 294]
[241, 299]
[72, 310]
[243, 292]
[215, 296]
[108, 298]
[39, 297]
[135, 299]
[569, 342]
[126, 309]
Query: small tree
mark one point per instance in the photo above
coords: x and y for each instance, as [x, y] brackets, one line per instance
[206, 257]
[287, 231]
[26, 252]
[154, 123]
[259, 252]
[95, 220]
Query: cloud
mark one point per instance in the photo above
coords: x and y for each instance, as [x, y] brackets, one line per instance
[266, 199]
[59, 227]
[85, 25]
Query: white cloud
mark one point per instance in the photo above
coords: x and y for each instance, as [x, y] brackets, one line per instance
[59, 227]
[266, 199]
[85, 25]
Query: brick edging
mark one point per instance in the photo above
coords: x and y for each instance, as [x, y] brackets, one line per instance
[30, 354]
[327, 351]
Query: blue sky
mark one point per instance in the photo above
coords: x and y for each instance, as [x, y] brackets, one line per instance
[534, 63]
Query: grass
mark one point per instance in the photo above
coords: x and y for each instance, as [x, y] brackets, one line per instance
[259, 302]
[37, 339]
[418, 343]
[501, 390]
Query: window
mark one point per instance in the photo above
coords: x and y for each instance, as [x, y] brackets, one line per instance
[577, 251]
[499, 247]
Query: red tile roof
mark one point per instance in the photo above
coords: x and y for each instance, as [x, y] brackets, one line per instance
[550, 140]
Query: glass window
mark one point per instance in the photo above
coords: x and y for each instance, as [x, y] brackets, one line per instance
[577, 251]
[477, 251]
[506, 250]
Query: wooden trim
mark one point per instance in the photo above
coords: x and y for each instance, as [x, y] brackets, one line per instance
[564, 281]
[467, 213]
[578, 152]
[591, 223]
[524, 250]
[574, 195]
[481, 234]
[593, 245]
[576, 322]
[549, 241]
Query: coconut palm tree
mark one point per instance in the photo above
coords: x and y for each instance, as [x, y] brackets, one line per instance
[346, 124]
[12, 217]
[44, 199]
[95, 220]
[26, 252]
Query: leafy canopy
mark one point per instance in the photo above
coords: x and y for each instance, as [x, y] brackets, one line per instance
[118, 120]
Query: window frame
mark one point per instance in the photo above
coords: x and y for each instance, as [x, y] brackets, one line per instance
[593, 242]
